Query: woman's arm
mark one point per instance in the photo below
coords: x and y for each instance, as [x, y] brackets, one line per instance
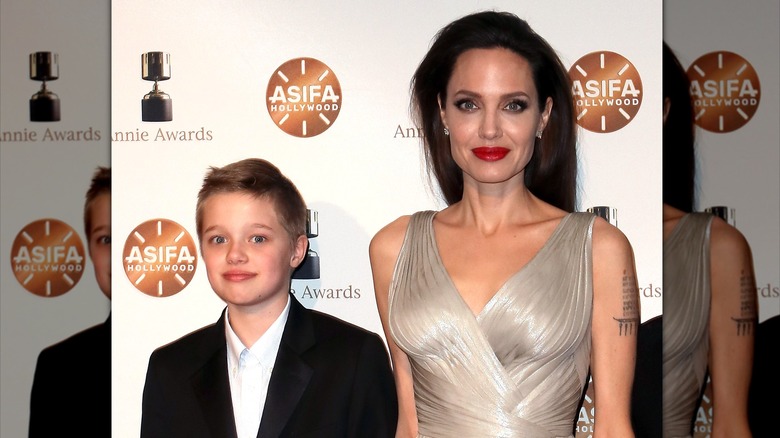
[615, 324]
[733, 318]
[383, 252]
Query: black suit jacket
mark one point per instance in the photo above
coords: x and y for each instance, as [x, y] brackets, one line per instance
[330, 379]
[77, 368]
[647, 390]
[763, 402]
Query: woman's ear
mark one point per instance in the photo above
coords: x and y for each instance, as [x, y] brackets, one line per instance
[545, 116]
[441, 112]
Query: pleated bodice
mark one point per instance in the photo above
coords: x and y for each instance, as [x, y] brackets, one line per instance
[686, 317]
[518, 368]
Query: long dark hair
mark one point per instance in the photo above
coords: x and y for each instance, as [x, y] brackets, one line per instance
[679, 161]
[551, 174]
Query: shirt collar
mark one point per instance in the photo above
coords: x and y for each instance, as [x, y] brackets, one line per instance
[265, 348]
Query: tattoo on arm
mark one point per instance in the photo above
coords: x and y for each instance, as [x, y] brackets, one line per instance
[747, 306]
[627, 324]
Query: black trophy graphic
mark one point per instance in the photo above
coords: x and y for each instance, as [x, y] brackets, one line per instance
[607, 213]
[44, 105]
[156, 106]
[728, 214]
[310, 268]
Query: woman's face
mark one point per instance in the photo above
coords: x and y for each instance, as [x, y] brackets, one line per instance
[492, 114]
[100, 241]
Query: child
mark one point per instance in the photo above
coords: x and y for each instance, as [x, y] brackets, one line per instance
[268, 367]
[80, 364]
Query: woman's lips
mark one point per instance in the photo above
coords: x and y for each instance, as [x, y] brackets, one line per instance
[490, 153]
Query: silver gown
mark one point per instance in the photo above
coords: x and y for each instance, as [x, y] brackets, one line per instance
[686, 317]
[519, 367]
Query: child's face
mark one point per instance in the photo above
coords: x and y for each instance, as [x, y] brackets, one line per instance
[248, 254]
[100, 241]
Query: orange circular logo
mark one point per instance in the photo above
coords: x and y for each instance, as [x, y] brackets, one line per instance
[160, 257]
[702, 426]
[304, 97]
[586, 419]
[607, 91]
[47, 257]
[725, 91]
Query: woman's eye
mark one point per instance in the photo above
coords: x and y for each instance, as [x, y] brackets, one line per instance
[517, 106]
[258, 239]
[466, 105]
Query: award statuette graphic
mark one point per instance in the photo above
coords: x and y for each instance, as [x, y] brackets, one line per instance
[726, 213]
[607, 213]
[156, 106]
[310, 268]
[44, 105]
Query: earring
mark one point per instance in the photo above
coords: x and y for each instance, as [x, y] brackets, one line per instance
[539, 134]
[446, 131]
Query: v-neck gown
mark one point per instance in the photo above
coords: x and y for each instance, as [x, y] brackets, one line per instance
[518, 368]
[686, 321]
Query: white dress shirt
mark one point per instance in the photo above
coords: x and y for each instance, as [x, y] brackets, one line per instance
[249, 371]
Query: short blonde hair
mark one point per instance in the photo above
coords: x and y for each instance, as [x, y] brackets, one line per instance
[100, 184]
[258, 178]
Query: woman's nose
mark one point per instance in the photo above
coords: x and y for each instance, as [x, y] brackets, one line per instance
[490, 127]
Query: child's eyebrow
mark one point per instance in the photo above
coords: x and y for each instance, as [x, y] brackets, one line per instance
[210, 228]
[253, 226]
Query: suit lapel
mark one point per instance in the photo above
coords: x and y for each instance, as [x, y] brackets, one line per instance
[211, 385]
[291, 374]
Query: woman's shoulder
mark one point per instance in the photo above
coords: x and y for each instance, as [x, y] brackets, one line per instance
[388, 239]
[398, 225]
[609, 239]
[726, 239]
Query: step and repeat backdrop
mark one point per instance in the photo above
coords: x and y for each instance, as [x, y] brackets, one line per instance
[160, 92]
[55, 133]
[321, 89]
[731, 56]
[730, 53]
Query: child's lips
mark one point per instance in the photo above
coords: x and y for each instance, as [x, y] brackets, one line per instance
[237, 275]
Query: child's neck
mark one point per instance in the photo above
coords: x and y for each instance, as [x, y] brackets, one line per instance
[251, 322]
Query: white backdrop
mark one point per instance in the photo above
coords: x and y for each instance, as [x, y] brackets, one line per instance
[740, 168]
[359, 174]
[45, 178]
[42, 178]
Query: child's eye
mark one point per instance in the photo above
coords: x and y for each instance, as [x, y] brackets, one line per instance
[104, 240]
[466, 105]
[218, 239]
[258, 239]
[517, 105]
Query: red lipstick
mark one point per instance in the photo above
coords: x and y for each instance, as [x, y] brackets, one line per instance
[490, 153]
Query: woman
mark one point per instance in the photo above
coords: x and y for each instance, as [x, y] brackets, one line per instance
[710, 306]
[495, 307]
